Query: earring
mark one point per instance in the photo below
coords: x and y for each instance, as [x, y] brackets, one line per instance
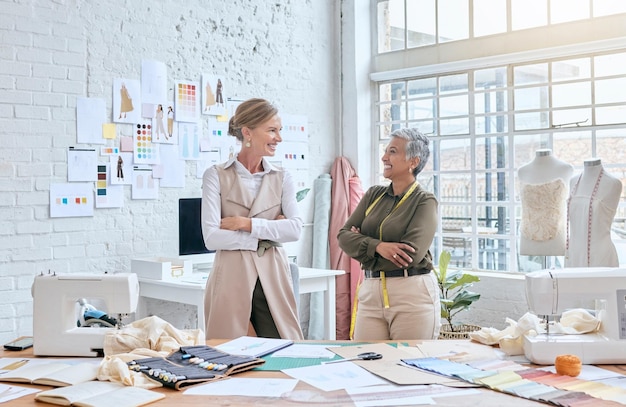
[248, 143]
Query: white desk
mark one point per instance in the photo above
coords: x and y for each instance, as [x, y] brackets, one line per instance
[191, 292]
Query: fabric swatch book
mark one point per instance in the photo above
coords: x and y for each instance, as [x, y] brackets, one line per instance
[253, 346]
[52, 374]
[99, 394]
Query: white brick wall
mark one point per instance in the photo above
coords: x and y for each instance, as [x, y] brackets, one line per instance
[53, 51]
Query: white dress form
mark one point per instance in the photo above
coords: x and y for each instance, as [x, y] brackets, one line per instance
[594, 198]
[543, 192]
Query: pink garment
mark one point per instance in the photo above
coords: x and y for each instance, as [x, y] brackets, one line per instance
[346, 192]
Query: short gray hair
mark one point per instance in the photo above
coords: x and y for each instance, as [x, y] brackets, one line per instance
[416, 146]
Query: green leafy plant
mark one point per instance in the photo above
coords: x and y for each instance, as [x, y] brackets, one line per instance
[454, 289]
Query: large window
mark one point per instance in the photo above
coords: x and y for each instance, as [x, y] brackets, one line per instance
[485, 123]
[404, 24]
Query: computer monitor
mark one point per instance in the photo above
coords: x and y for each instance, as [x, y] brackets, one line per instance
[190, 240]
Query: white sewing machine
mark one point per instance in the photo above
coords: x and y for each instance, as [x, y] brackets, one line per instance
[57, 301]
[602, 290]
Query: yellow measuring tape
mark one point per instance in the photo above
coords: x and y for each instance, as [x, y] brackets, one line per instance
[380, 236]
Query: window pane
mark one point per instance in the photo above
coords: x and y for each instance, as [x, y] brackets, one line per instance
[453, 20]
[420, 87]
[491, 152]
[610, 115]
[611, 91]
[531, 98]
[454, 106]
[454, 126]
[528, 13]
[455, 154]
[606, 7]
[420, 22]
[571, 117]
[421, 109]
[493, 254]
[491, 124]
[571, 69]
[489, 17]
[530, 74]
[568, 10]
[489, 102]
[453, 84]
[611, 146]
[492, 219]
[530, 121]
[390, 25]
[571, 94]
[526, 145]
[490, 78]
[491, 187]
[392, 112]
[427, 127]
[455, 187]
[455, 217]
[391, 91]
[573, 147]
[607, 65]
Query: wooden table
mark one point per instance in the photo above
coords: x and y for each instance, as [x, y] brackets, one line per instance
[486, 398]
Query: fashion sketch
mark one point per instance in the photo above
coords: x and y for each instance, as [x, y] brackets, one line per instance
[126, 102]
[209, 97]
[160, 129]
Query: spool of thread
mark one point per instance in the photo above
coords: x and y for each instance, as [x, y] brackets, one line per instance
[569, 365]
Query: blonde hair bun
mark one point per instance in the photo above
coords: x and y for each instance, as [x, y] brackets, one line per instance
[569, 365]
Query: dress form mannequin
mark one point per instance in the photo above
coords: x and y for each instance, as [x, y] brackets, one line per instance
[594, 198]
[543, 192]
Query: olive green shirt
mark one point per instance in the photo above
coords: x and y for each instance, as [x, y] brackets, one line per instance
[413, 222]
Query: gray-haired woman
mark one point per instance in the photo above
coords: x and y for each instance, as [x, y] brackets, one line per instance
[390, 233]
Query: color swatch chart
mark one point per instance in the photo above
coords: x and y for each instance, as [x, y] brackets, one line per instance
[521, 381]
[145, 151]
[187, 101]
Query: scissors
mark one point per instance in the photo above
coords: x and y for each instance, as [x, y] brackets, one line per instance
[360, 356]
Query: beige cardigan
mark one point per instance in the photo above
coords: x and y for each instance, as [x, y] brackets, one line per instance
[228, 296]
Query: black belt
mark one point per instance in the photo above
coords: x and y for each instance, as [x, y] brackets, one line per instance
[396, 273]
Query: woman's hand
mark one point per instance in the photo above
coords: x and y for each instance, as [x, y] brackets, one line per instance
[397, 253]
[236, 223]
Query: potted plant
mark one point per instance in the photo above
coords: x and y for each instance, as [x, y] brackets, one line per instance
[455, 297]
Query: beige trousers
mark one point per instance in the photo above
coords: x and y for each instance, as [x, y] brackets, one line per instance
[414, 309]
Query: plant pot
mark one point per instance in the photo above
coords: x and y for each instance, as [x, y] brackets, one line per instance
[460, 331]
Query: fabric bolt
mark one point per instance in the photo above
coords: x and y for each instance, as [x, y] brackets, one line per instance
[346, 193]
[319, 258]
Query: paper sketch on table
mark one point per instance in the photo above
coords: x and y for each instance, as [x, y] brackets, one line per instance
[335, 376]
[249, 387]
[90, 117]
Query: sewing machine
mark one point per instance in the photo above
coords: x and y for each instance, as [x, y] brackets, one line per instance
[59, 302]
[601, 290]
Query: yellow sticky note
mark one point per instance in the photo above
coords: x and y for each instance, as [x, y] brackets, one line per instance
[222, 118]
[108, 130]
